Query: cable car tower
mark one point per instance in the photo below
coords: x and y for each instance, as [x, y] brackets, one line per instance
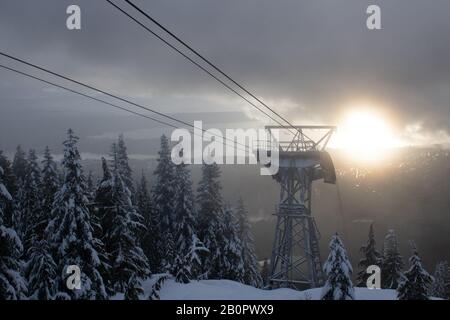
[295, 261]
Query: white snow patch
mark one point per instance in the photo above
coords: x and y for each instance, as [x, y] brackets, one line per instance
[231, 290]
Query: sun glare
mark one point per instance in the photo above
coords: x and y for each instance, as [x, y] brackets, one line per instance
[365, 136]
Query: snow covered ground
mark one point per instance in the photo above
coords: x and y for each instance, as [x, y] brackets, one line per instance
[230, 290]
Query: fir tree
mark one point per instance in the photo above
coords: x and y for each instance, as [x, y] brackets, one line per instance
[232, 265]
[441, 281]
[102, 217]
[12, 285]
[252, 276]
[265, 273]
[70, 231]
[33, 220]
[40, 272]
[123, 165]
[371, 256]
[40, 268]
[50, 182]
[20, 165]
[338, 271]
[209, 200]
[163, 196]
[5, 196]
[10, 183]
[188, 248]
[416, 281]
[121, 238]
[90, 186]
[134, 289]
[392, 265]
[149, 237]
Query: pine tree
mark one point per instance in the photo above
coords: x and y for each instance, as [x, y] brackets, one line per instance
[371, 256]
[19, 168]
[70, 231]
[209, 200]
[12, 285]
[102, 216]
[40, 268]
[40, 272]
[232, 265]
[416, 281]
[441, 280]
[188, 248]
[121, 238]
[265, 273]
[338, 271]
[90, 186]
[252, 276]
[50, 182]
[33, 220]
[392, 265]
[163, 196]
[5, 196]
[149, 237]
[102, 219]
[123, 165]
[20, 164]
[10, 183]
[134, 289]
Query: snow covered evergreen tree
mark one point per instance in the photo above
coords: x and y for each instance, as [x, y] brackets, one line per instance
[416, 282]
[102, 217]
[338, 271]
[265, 273]
[70, 231]
[40, 267]
[123, 165]
[209, 200]
[441, 283]
[40, 272]
[121, 240]
[371, 256]
[188, 247]
[392, 265]
[19, 167]
[90, 186]
[232, 265]
[33, 219]
[12, 284]
[134, 289]
[10, 183]
[163, 198]
[5, 196]
[149, 237]
[50, 182]
[252, 275]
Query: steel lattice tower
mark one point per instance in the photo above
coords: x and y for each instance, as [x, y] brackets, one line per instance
[295, 261]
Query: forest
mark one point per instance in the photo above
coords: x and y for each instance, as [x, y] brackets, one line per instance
[119, 232]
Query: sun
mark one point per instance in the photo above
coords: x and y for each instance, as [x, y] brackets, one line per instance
[365, 136]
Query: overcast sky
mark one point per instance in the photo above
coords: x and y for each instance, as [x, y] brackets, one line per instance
[310, 60]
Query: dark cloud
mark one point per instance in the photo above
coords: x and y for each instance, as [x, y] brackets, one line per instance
[307, 58]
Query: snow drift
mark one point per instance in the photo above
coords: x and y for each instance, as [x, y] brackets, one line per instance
[231, 290]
